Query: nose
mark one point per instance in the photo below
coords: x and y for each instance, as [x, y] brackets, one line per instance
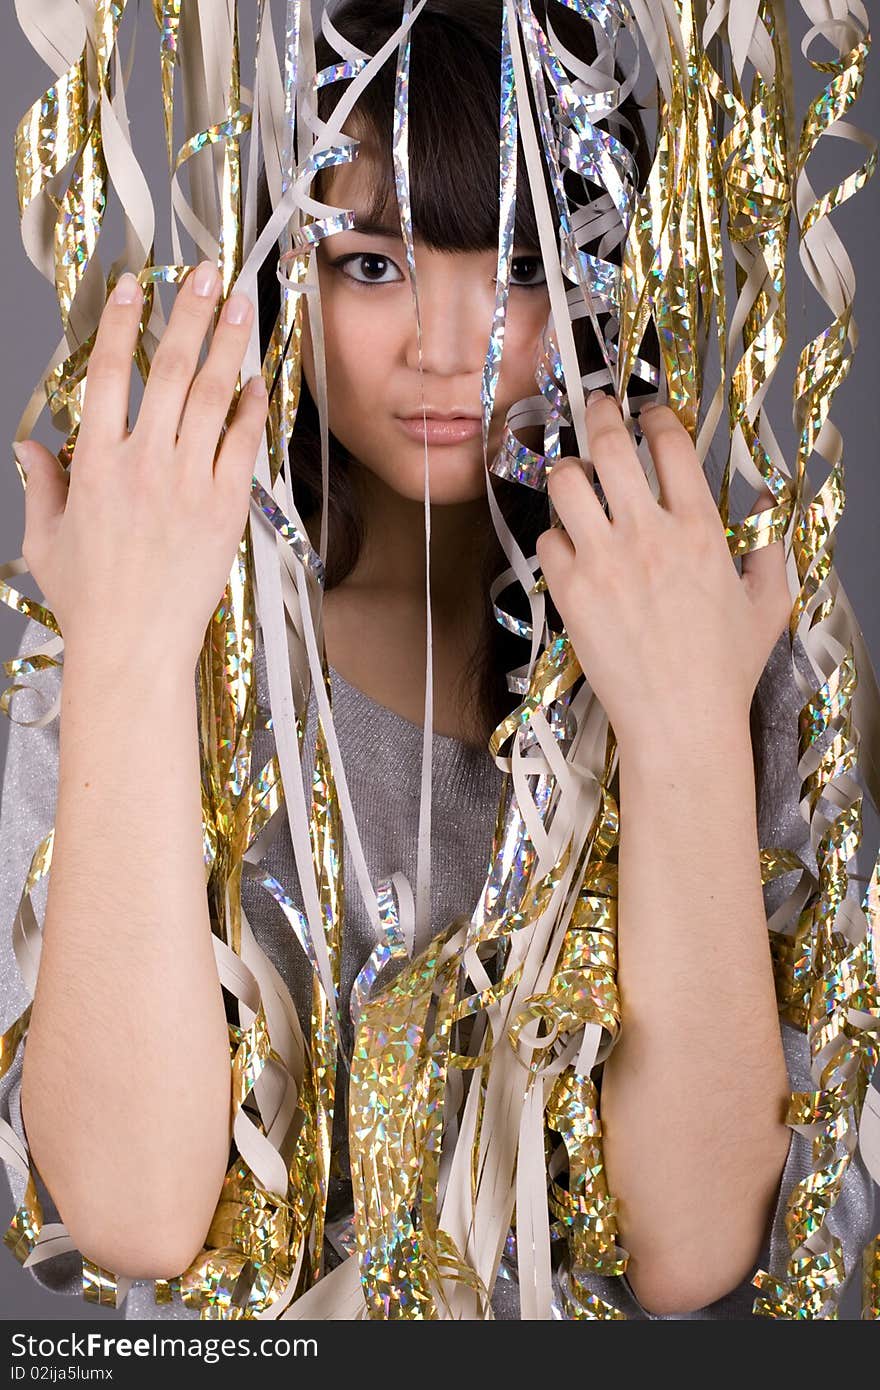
[456, 305]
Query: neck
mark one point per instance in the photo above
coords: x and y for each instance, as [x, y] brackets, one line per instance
[392, 554]
[374, 619]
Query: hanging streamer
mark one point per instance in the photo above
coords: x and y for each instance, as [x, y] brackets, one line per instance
[474, 1119]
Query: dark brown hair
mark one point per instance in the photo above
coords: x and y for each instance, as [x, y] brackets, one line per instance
[454, 94]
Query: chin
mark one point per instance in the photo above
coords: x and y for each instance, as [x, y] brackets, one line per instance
[455, 475]
[444, 491]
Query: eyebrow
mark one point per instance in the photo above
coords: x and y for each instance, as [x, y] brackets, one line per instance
[368, 227]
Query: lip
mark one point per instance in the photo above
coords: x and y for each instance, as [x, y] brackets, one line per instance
[441, 430]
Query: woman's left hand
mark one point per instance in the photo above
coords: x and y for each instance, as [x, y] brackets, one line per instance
[663, 625]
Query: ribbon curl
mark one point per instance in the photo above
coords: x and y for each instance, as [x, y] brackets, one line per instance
[474, 1105]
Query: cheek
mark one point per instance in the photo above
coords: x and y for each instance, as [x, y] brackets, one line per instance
[522, 341]
[357, 347]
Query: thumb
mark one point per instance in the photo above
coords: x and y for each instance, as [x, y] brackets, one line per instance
[46, 485]
[763, 570]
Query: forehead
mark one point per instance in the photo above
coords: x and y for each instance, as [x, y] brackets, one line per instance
[454, 201]
[364, 183]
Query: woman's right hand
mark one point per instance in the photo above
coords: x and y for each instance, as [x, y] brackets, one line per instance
[137, 544]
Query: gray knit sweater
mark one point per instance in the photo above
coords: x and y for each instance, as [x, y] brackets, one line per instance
[381, 751]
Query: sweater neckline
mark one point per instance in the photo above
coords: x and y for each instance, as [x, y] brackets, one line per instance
[386, 748]
[391, 717]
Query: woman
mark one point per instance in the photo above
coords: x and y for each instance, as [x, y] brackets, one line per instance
[683, 645]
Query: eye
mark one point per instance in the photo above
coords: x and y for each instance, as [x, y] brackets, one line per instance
[527, 272]
[373, 267]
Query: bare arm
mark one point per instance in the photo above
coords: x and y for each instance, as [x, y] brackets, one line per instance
[126, 1077]
[695, 1092]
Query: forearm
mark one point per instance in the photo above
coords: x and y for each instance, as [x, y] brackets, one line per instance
[695, 1092]
[126, 1079]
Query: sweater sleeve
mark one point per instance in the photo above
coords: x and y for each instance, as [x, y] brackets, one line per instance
[27, 814]
[853, 1217]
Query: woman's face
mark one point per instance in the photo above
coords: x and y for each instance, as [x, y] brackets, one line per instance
[372, 349]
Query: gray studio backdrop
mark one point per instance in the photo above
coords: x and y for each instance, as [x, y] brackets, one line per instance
[30, 322]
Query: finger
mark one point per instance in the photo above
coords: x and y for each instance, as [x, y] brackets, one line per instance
[614, 457]
[684, 489]
[108, 375]
[763, 570]
[177, 356]
[235, 461]
[576, 503]
[46, 490]
[212, 391]
[556, 555]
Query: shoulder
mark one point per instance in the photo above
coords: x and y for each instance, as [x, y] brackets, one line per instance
[777, 694]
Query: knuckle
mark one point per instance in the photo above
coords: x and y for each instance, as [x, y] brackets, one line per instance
[151, 494]
[654, 553]
[191, 495]
[210, 390]
[550, 544]
[89, 471]
[170, 364]
[193, 306]
[235, 463]
[33, 548]
[692, 520]
[616, 575]
[233, 483]
[105, 364]
[542, 548]
[784, 603]
[237, 313]
[248, 426]
[604, 437]
[250, 410]
[700, 531]
[559, 475]
[142, 478]
[29, 548]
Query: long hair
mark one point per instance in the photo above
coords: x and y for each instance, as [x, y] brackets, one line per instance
[454, 96]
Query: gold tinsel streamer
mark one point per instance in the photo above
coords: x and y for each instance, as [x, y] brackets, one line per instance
[505, 1014]
[841, 974]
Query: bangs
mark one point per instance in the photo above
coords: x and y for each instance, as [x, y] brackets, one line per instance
[453, 116]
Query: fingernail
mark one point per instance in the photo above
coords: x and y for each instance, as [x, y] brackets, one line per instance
[595, 396]
[236, 308]
[256, 386]
[205, 279]
[21, 452]
[649, 405]
[126, 289]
